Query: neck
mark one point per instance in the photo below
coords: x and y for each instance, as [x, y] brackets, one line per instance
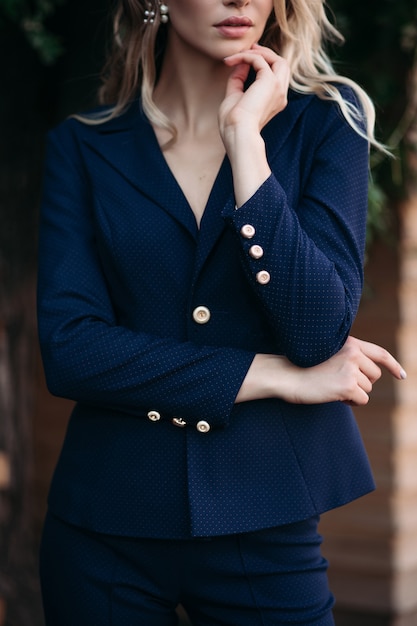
[190, 89]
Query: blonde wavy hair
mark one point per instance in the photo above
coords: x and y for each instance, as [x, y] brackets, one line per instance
[298, 30]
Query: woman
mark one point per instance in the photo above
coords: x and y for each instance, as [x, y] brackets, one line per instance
[201, 252]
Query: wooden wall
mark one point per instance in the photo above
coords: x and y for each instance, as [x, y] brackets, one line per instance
[372, 543]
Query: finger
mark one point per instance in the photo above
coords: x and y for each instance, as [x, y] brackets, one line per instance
[359, 400]
[384, 358]
[276, 62]
[237, 78]
[269, 55]
[273, 80]
[261, 58]
[358, 397]
[370, 369]
[378, 355]
[257, 61]
[364, 383]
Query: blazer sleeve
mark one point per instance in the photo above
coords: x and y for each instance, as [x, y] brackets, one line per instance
[312, 251]
[87, 356]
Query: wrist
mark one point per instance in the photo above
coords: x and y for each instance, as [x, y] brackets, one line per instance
[270, 376]
[250, 168]
[242, 141]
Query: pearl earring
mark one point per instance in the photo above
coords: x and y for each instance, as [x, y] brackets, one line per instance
[163, 10]
[149, 14]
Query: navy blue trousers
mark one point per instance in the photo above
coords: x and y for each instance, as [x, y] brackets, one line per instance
[273, 577]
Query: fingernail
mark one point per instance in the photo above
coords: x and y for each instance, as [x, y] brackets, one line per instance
[403, 374]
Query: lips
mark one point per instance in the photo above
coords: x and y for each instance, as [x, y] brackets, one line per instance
[235, 21]
[234, 27]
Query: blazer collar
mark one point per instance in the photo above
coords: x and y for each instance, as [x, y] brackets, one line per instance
[129, 145]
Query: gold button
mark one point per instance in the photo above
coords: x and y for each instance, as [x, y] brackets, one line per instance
[256, 252]
[263, 277]
[178, 421]
[201, 315]
[154, 416]
[247, 231]
[203, 427]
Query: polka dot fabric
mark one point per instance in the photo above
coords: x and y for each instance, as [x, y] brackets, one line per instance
[156, 446]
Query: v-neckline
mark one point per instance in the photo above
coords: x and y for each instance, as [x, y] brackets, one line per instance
[218, 180]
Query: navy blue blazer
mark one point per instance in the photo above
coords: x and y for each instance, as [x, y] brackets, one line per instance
[156, 446]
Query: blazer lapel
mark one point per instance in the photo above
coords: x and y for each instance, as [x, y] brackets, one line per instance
[212, 222]
[128, 145]
[282, 125]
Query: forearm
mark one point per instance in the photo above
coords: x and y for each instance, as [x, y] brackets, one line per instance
[348, 376]
[267, 377]
[247, 155]
[313, 292]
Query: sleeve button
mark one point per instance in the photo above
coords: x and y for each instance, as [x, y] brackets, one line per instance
[256, 252]
[154, 416]
[203, 427]
[178, 421]
[247, 231]
[263, 277]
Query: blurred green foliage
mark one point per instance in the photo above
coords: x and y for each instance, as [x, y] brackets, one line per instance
[379, 52]
[31, 17]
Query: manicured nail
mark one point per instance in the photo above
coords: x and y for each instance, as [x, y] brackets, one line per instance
[403, 374]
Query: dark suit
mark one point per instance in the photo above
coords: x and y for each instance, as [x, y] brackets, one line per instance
[123, 269]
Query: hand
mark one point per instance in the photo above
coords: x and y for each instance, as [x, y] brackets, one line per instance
[264, 98]
[347, 377]
[243, 114]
